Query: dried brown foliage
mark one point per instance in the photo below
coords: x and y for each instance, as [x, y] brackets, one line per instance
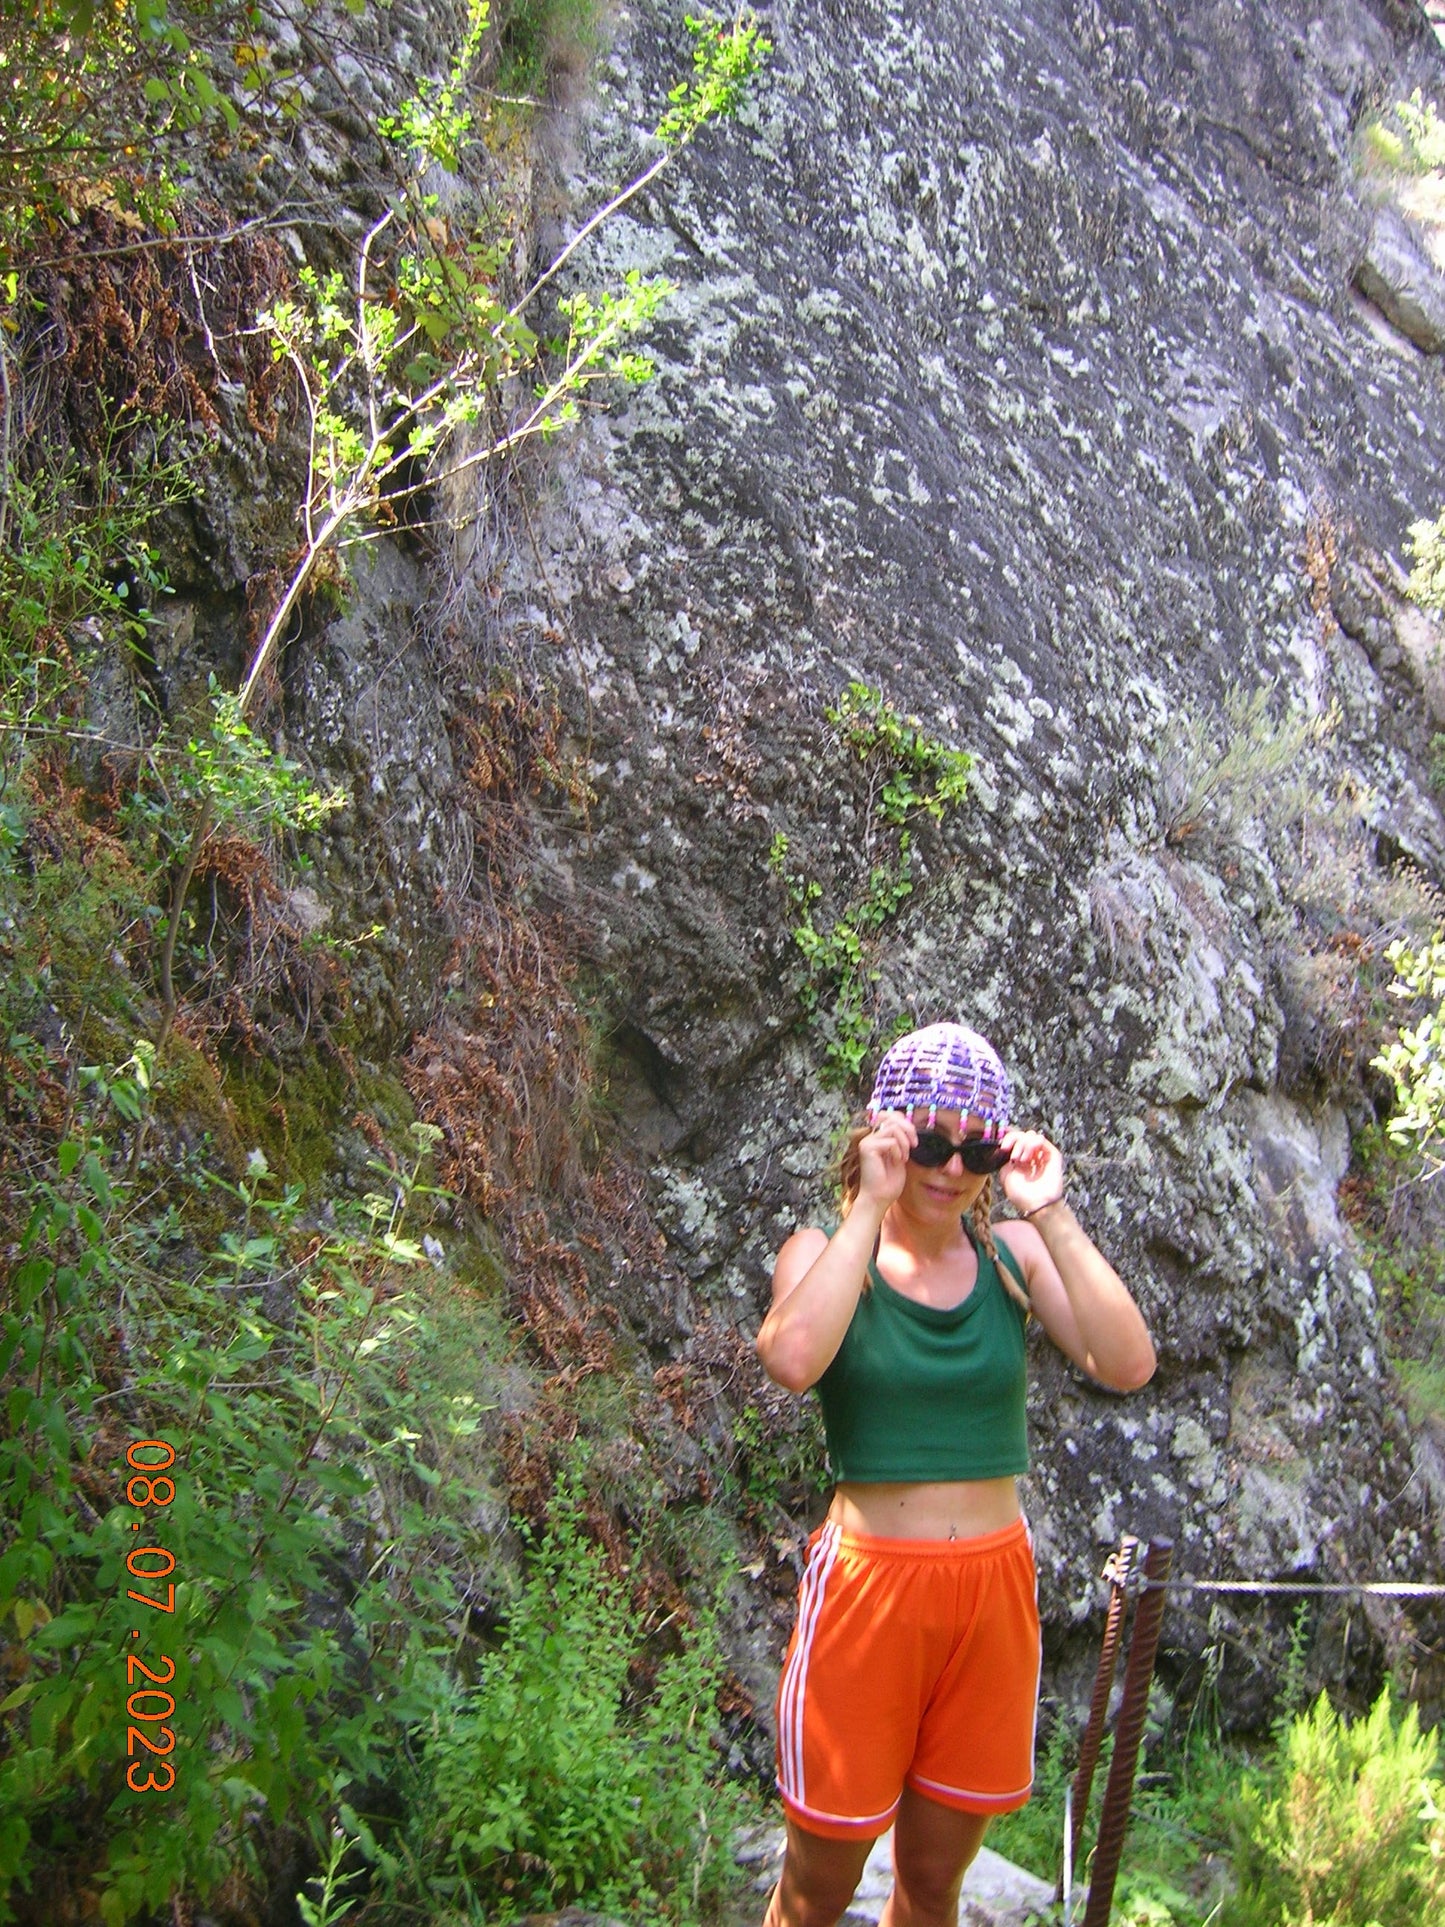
[117, 330]
[717, 1370]
[506, 1072]
[1321, 553]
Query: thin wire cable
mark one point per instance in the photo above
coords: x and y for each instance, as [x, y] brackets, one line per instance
[1393, 1589]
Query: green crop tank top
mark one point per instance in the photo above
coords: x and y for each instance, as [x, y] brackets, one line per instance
[916, 1394]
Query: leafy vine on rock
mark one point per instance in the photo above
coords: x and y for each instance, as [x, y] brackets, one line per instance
[910, 773]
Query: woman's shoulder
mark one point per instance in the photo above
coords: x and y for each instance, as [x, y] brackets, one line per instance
[796, 1257]
[1020, 1240]
[807, 1234]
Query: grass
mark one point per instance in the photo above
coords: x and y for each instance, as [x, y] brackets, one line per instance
[1178, 1825]
[1399, 1223]
[1424, 1380]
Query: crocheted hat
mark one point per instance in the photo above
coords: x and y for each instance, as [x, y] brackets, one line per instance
[943, 1067]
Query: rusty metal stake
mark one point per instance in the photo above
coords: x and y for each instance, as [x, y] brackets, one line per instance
[1138, 1672]
[1116, 1572]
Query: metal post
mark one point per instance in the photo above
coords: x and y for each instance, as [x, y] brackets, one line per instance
[1138, 1672]
[1116, 1572]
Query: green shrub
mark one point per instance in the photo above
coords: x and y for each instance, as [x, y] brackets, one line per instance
[553, 1780]
[76, 575]
[778, 1457]
[310, 1535]
[1415, 1060]
[1031, 1836]
[1346, 1828]
[1176, 1823]
[1409, 138]
[91, 93]
[1215, 781]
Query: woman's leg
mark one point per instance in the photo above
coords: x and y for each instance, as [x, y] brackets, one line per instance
[817, 1881]
[932, 1847]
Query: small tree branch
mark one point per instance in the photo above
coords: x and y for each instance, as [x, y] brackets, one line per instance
[201, 830]
[363, 338]
[315, 548]
[613, 206]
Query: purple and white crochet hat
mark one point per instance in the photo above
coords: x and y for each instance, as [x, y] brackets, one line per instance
[943, 1067]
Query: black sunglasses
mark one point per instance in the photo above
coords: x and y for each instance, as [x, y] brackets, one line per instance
[980, 1155]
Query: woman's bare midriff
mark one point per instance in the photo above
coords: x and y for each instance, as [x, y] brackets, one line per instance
[958, 1509]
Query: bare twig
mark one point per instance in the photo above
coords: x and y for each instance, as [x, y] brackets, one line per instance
[364, 340]
[618, 202]
[162, 243]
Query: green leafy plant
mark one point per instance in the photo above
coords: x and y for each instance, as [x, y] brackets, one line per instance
[1178, 1820]
[910, 769]
[436, 121]
[77, 576]
[91, 93]
[1410, 138]
[1215, 781]
[777, 1456]
[230, 777]
[1290, 1700]
[1415, 1060]
[1346, 1828]
[327, 1905]
[552, 1780]
[297, 1451]
[837, 956]
[399, 371]
[1031, 1835]
[248, 781]
[909, 773]
[725, 60]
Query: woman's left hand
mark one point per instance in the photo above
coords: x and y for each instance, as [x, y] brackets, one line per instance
[1034, 1175]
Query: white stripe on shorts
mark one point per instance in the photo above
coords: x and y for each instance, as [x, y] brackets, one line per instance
[969, 1793]
[795, 1674]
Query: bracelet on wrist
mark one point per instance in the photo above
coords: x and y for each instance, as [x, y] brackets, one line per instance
[1047, 1203]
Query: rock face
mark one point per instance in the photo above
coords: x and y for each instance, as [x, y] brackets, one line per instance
[1015, 370]
[1398, 276]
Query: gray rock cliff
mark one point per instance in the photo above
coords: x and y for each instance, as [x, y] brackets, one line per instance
[1019, 368]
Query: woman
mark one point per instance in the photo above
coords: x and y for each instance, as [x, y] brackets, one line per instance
[909, 1691]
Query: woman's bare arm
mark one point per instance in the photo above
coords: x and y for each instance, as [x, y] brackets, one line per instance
[818, 1280]
[1077, 1296]
[1080, 1300]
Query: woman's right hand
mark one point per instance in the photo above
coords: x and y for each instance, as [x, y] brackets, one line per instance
[883, 1158]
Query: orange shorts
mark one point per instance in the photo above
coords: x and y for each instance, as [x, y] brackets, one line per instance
[915, 1662]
